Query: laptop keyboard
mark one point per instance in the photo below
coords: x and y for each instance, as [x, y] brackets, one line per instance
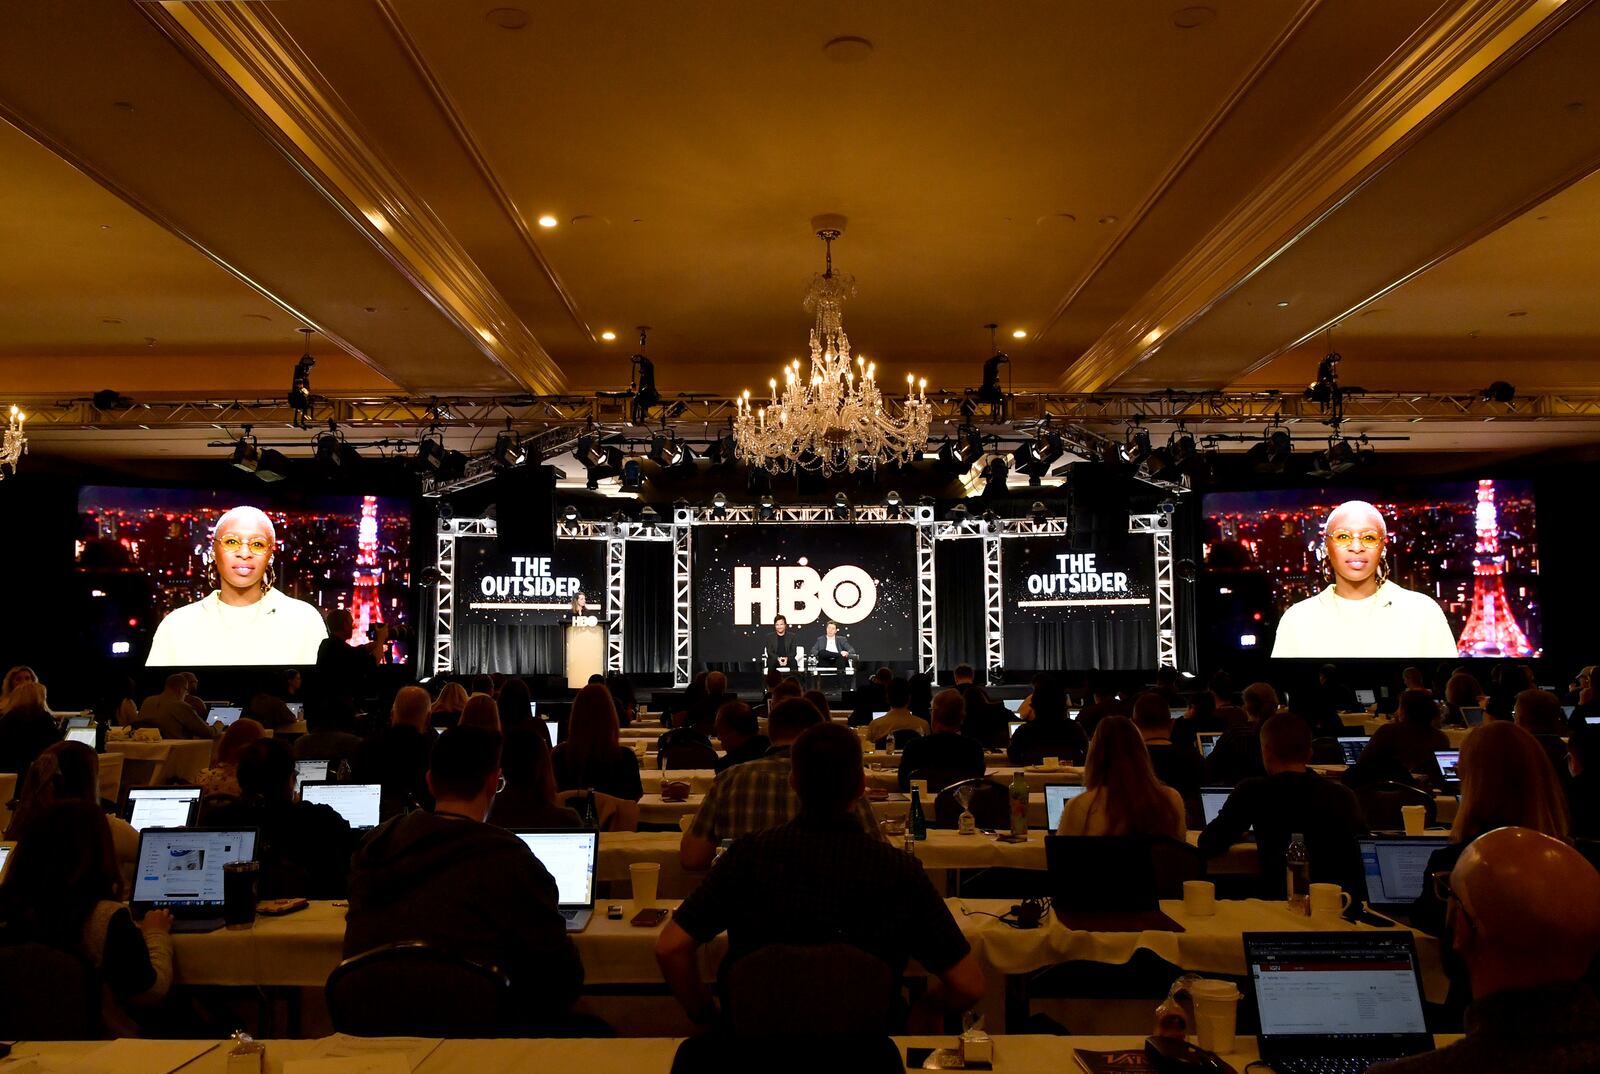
[1330, 1064]
[570, 915]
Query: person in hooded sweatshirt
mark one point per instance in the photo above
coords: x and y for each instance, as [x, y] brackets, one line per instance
[449, 879]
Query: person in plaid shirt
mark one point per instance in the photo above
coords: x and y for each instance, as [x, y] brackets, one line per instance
[756, 795]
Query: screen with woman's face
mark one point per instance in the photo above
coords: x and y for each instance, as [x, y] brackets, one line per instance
[1470, 547]
[148, 553]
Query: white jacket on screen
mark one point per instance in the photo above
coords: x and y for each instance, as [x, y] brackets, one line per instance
[277, 629]
[1392, 623]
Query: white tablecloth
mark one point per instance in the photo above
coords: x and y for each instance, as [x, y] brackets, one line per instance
[174, 758]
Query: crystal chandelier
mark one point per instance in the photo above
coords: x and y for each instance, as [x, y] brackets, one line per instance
[836, 419]
[13, 446]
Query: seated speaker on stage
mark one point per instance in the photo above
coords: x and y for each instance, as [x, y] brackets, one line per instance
[833, 649]
[782, 652]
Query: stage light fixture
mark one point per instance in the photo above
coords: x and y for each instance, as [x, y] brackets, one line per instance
[246, 455]
[1137, 449]
[300, 385]
[107, 399]
[273, 465]
[430, 575]
[957, 514]
[632, 474]
[1499, 392]
[668, 452]
[508, 450]
[570, 514]
[1038, 511]
[430, 452]
[841, 507]
[1325, 389]
[649, 516]
[1271, 455]
[719, 506]
[892, 504]
[643, 385]
[453, 466]
[723, 450]
[332, 454]
[1158, 464]
[766, 510]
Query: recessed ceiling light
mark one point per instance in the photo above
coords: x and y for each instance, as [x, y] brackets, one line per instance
[548, 221]
[1517, 313]
[1108, 220]
[1151, 336]
[508, 18]
[1284, 304]
[608, 335]
[1187, 18]
[257, 317]
[122, 106]
[105, 227]
[377, 219]
[1019, 334]
[110, 320]
[847, 49]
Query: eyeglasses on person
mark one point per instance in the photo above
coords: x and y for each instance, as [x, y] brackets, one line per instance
[1367, 538]
[234, 544]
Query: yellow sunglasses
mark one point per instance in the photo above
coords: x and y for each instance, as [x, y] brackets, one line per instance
[234, 544]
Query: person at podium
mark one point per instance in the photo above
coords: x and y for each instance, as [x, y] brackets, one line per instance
[833, 649]
[780, 647]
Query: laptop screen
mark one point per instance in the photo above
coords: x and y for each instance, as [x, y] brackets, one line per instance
[1325, 985]
[1352, 748]
[1366, 697]
[1397, 868]
[1212, 800]
[1448, 759]
[1473, 715]
[296, 708]
[355, 802]
[5, 856]
[1056, 797]
[1207, 740]
[553, 730]
[570, 858]
[224, 714]
[1013, 703]
[1014, 724]
[161, 807]
[312, 771]
[183, 867]
[85, 735]
[1592, 721]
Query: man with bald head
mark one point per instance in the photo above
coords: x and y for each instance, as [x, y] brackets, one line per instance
[1524, 915]
[1362, 614]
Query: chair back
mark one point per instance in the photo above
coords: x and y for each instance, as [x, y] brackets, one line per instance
[1381, 802]
[691, 755]
[792, 990]
[1326, 751]
[939, 778]
[210, 803]
[68, 1009]
[615, 814]
[415, 990]
[990, 804]
[1175, 861]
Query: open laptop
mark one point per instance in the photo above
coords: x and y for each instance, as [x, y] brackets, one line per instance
[554, 729]
[355, 802]
[1207, 741]
[86, 735]
[1351, 746]
[180, 869]
[1592, 721]
[162, 807]
[1212, 799]
[5, 857]
[224, 714]
[1123, 894]
[1014, 724]
[310, 772]
[1013, 703]
[571, 856]
[1366, 697]
[1448, 760]
[296, 708]
[1336, 1001]
[1056, 797]
[1473, 714]
[1396, 869]
[88, 721]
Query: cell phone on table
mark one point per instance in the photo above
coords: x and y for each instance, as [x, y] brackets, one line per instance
[279, 907]
[649, 917]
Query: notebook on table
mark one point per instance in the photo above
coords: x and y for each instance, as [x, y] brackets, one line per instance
[1396, 869]
[357, 803]
[309, 772]
[1332, 1002]
[571, 857]
[1056, 797]
[162, 807]
[180, 869]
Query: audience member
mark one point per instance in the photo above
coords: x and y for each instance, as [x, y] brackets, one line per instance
[1178, 765]
[222, 777]
[920, 701]
[1220, 687]
[62, 888]
[446, 878]
[1236, 755]
[1199, 718]
[191, 696]
[1292, 800]
[1506, 780]
[26, 729]
[1104, 702]
[1460, 692]
[986, 722]
[622, 696]
[1049, 733]
[1402, 747]
[818, 878]
[963, 676]
[1539, 713]
[516, 704]
[1122, 795]
[871, 698]
[303, 847]
[1512, 897]
[168, 713]
[346, 673]
[592, 757]
[1338, 694]
[530, 797]
[819, 701]
[447, 709]
[16, 677]
[327, 736]
[899, 716]
[740, 735]
[267, 705]
[1167, 686]
[397, 756]
[756, 795]
[1583, 789]
[117, 707]
[481, 711]
[70, 772]
[945, 756]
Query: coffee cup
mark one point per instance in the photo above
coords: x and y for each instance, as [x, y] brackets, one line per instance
[921, 787]
[1329, 899]
[1216, 1011]
[1415, 818]
[1052, 762]
[1199, 898]
[646, 877]
[239, 880]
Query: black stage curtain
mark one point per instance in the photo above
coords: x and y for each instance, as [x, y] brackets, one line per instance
[958, 590]
[1082, 644]
[647, 608]
[486, 648]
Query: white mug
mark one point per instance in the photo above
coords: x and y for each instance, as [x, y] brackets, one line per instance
[1052, 762]
[1199, 898]
[1329, 899]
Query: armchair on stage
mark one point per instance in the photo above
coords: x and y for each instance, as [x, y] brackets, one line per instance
[815, 661]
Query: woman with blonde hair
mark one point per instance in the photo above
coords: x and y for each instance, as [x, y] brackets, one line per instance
[223, 775]
[26, 728]
[592, 756]
[1506, 780]
[16, 677]
[452, 702]
[481, 711]
[70, 772]
[1122, 795]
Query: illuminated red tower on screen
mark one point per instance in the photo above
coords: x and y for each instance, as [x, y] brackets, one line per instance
[364, 606]
[1490, 629]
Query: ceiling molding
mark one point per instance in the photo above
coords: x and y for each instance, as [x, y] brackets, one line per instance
[247, 52]
[1392, 108]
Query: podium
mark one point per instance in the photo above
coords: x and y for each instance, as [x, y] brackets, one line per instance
[586, 650]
